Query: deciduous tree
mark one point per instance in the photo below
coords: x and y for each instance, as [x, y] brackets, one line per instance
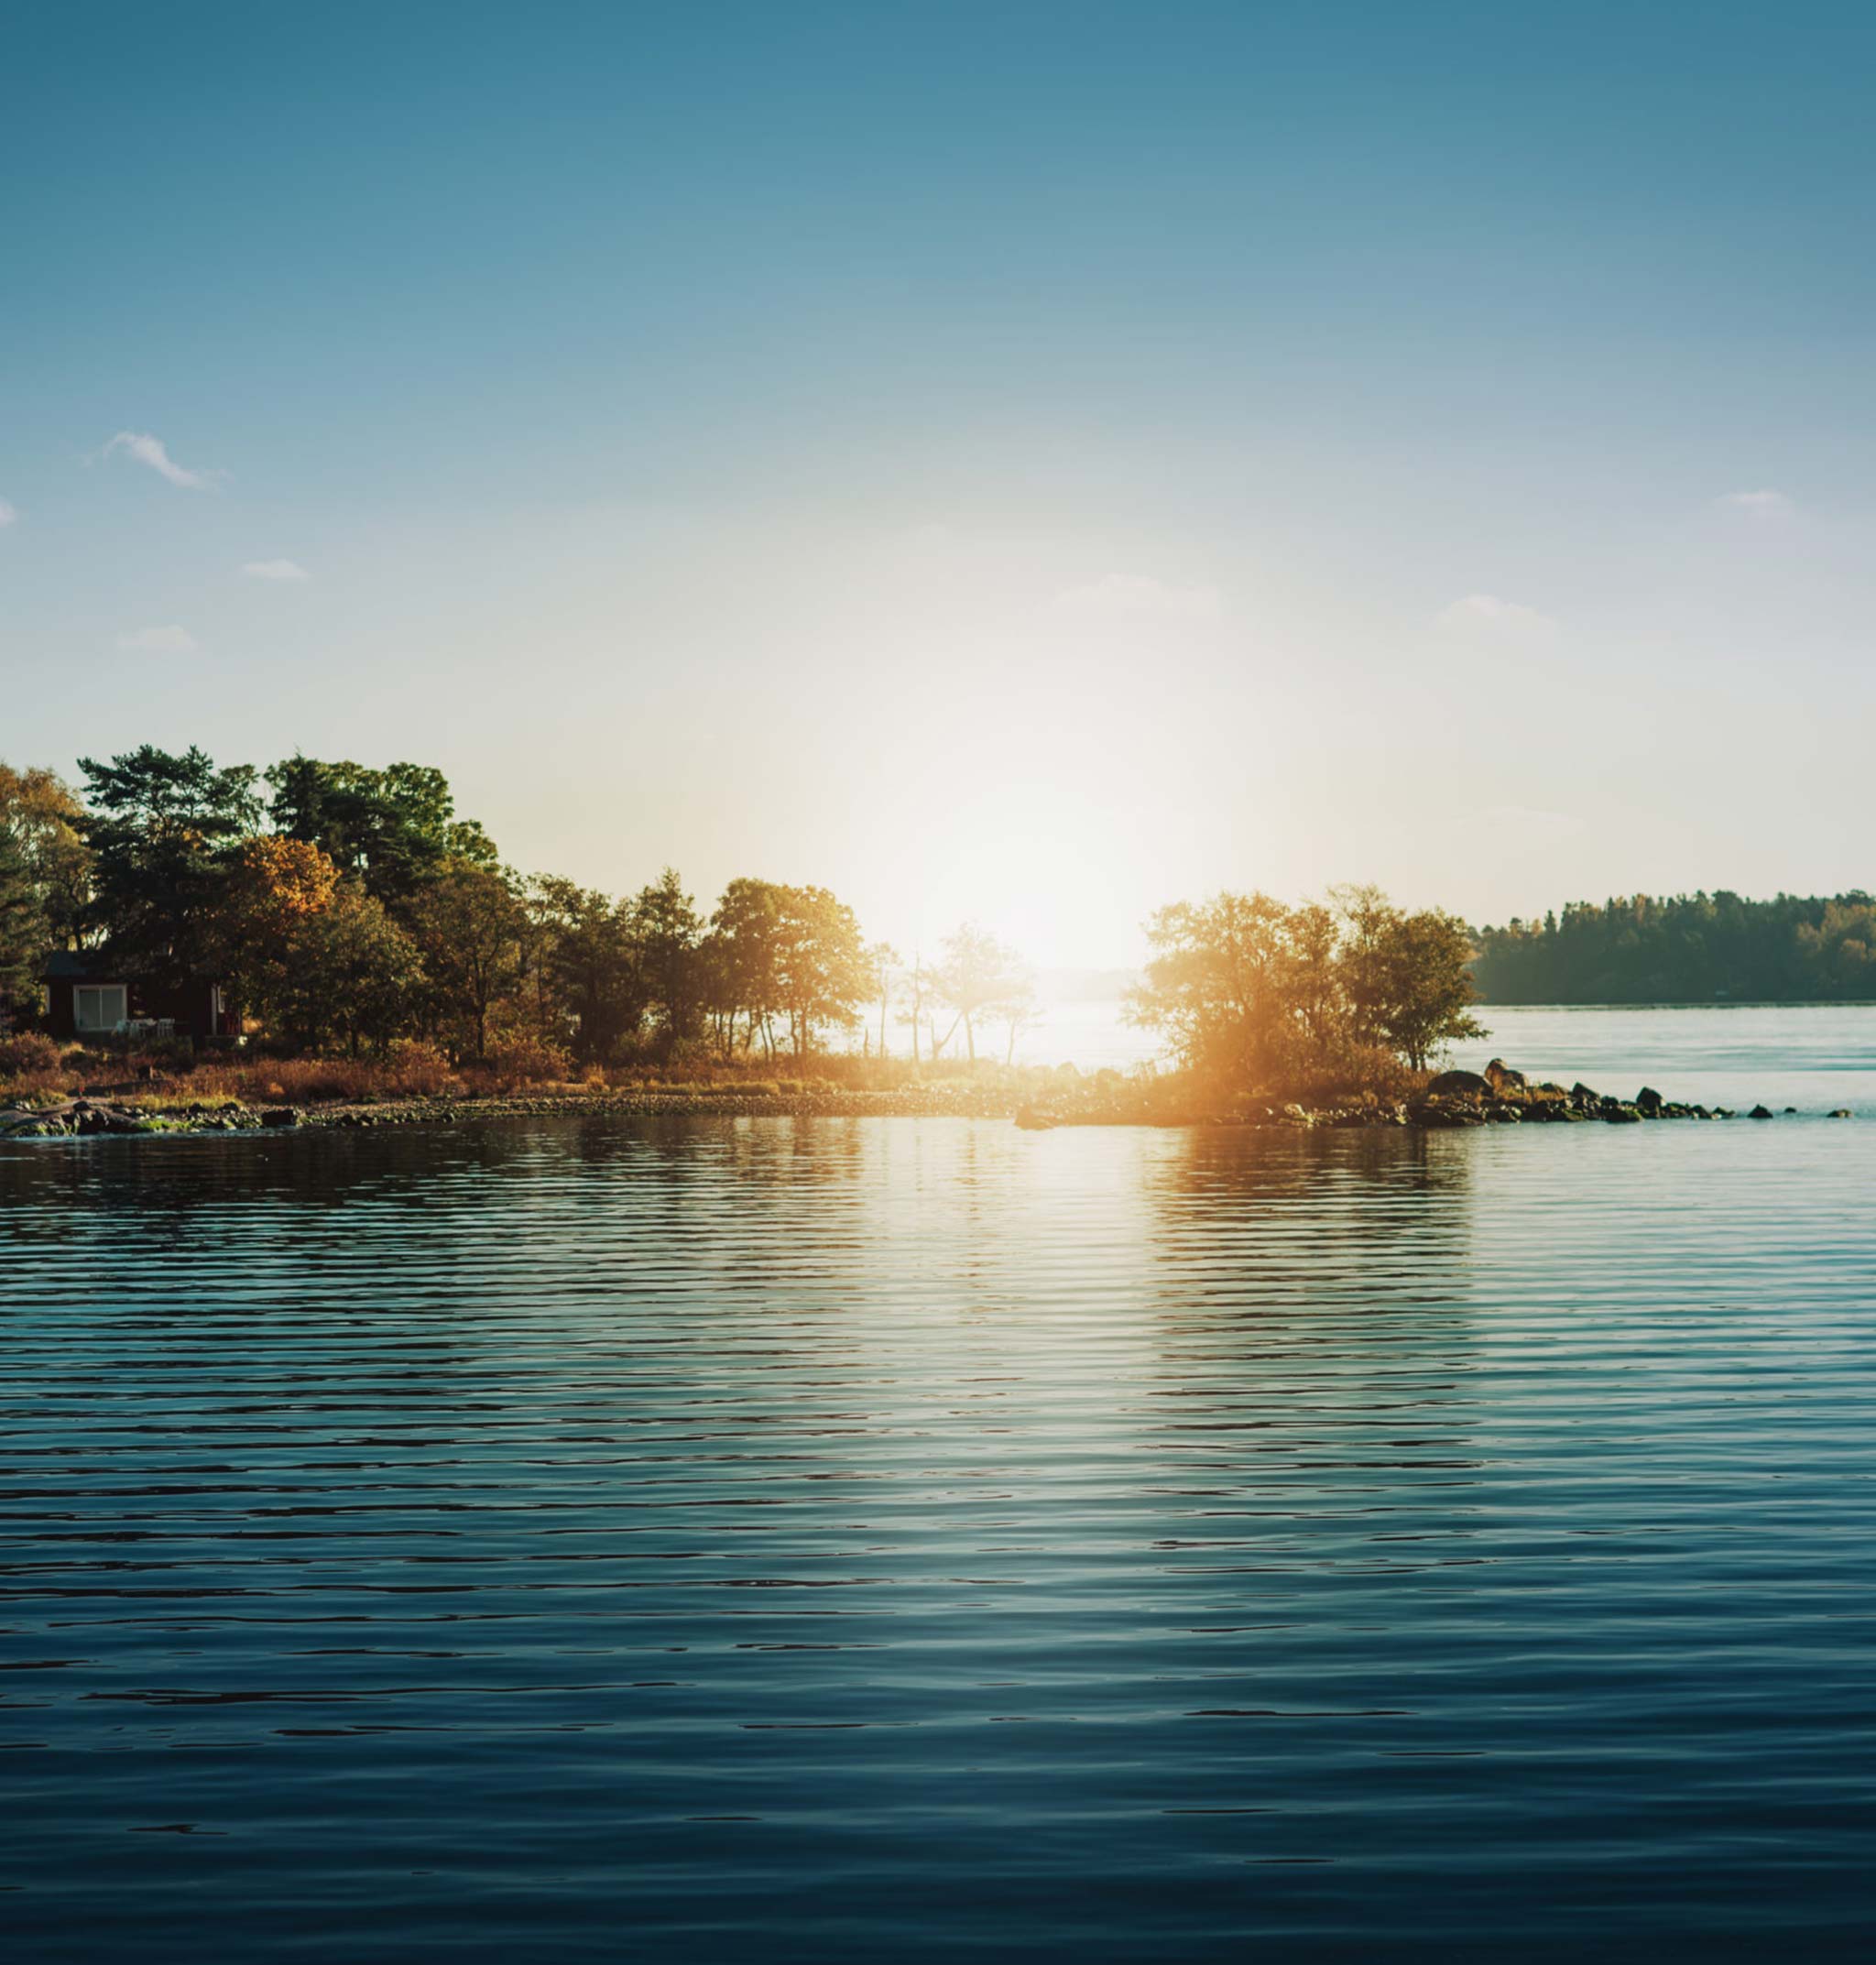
[468, 924]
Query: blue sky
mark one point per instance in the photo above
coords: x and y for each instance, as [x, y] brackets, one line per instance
[1032, 462]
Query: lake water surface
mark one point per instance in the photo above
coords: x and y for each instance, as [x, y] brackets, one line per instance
[888, 1539]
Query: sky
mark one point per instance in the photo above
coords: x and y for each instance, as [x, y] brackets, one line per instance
[1020, 463]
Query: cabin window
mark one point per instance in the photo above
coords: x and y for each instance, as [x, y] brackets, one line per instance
[98, 1006]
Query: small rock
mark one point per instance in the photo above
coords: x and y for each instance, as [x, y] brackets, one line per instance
[1759, 1112]
[1843, 1112]
[279, 1116]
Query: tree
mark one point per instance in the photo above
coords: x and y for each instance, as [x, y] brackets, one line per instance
[1430, 955]
[468, 924]
[978, 975]
[165, 830]
[394, 829]
[589, 956]
[356, 977]
[917, 991]
[882, 959]
[317, 960]
[1407, 977]
[822, 974]
[1641, 948]
[46, 818]
[1214, 985]
[741, 952]
[668, 929]
[22, 927]
[273, 885]
[1252, 993]
[1020, 1012]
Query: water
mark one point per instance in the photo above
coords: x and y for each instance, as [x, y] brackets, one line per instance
[1814, 1056]
[853, 1540]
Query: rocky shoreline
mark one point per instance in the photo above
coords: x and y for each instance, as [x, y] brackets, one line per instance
[96, 1114]
[1497, 1096]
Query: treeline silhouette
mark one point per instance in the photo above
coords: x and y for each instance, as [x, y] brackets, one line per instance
[352, 914]
[1688, 949]
[349, 908]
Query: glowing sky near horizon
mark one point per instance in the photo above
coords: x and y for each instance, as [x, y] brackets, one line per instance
[1028, 463]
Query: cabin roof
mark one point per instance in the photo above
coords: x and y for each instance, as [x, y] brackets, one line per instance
[79, 964]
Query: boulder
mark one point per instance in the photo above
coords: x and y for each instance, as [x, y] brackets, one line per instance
[1843, 1112]
[1458, 1085]
[1580, 1095]
[1504, 1082]
[1622, 1116]
[1648, 1099]
[1759, 1112]
[279, 1116]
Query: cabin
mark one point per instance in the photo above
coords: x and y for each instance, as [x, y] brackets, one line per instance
[90, 995]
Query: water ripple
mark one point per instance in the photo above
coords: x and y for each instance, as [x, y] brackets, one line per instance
[828, 1539]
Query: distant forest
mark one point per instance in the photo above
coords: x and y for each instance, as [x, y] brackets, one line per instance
[1692, 948]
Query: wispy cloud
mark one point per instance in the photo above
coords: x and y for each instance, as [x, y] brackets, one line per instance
[170, 640]
[1489, 612]
[9, 513]
[152, 452]
[1764, 503]
[1139, 594]
[275, 570]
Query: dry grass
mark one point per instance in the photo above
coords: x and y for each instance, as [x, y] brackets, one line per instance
[35, 1069]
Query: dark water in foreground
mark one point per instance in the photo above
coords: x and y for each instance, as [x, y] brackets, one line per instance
[918, 1539]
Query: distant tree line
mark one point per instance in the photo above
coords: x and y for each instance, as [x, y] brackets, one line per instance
[1687, 949]
[350, 908]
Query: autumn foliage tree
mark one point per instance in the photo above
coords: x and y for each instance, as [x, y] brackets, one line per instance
[22, 927]
[316, 959]
[46, 821]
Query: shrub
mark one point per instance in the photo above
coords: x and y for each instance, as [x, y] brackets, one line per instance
[27, 1055]
[418, 1068]
[523, 1059]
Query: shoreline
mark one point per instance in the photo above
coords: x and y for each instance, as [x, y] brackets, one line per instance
[1455, 1100]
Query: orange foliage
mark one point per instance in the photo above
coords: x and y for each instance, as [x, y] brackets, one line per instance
[279, 884]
